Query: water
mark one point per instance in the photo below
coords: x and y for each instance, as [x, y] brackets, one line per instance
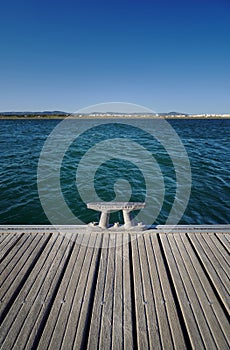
[21, 142]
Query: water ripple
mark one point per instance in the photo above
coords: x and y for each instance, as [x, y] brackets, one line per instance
[206, 141]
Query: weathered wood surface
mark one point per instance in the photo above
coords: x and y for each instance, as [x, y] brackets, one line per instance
[158, 291]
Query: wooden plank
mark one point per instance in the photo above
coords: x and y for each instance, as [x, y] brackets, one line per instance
[127, 296]
[105, 340]
[38, 293]
[117, 314]
[12, 277]
[60, 252]
[162, 326]
[99, 300]
[211, 297]
[6, 242]
[192, 288]
[156, 316]
[166, 308]
[33, 300]
[140, 298]
[116, 326]
[204, 293]
[6, 235]
[122, 327]
[12, 258]
[222, 238]
[82, 297]
[2, 237]
[66, 319]
[219, 251]
[212, 267]
[227, 238]
[19, 302]
[182, 295]
[55, 303]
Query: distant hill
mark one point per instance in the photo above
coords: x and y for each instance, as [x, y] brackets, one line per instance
[172, 113]
[61, 113]
[34, 113]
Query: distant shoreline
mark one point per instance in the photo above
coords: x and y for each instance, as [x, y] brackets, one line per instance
[50, 117]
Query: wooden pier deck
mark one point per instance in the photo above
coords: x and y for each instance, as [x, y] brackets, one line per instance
[158, 291]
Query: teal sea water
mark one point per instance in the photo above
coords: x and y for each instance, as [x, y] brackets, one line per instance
[206, 142]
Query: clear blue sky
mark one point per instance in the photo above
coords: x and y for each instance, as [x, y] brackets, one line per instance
[166, 55]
